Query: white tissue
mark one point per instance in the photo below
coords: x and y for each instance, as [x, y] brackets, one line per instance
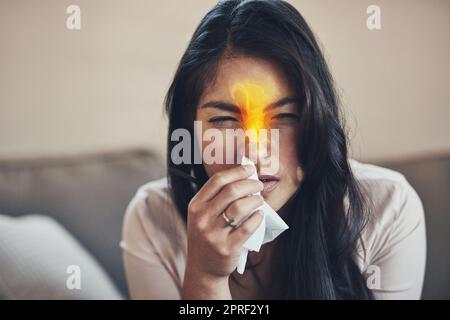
[270, 228]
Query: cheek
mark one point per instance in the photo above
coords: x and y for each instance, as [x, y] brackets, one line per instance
[289, 157]
[221, 147]
[289, 146]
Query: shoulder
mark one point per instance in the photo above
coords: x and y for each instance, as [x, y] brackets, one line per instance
[154, 201]
[388, 192]
[151, 217]
[157, 190]
[395, 209]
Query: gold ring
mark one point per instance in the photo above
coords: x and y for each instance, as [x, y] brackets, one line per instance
[228, 222]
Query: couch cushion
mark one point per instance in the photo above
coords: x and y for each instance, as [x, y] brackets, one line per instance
[41, 260]
[430, 177]
[88, 195]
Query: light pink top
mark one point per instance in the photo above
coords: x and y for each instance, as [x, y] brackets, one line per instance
[154, 239]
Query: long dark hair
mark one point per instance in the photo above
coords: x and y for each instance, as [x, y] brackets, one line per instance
[318, 250]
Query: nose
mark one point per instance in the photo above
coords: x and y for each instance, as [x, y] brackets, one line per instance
[263, 151]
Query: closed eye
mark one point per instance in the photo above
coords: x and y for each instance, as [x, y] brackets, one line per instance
[287, 116]
[223, 121]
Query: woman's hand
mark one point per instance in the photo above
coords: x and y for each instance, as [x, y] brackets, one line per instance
[214, 246]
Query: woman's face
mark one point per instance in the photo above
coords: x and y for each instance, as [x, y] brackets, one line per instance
[214, 111]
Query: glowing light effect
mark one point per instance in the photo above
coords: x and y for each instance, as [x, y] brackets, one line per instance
[252, 98]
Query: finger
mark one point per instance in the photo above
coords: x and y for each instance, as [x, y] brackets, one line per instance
[239, 210]
[221, 179]
[232, 192]
[238, 236]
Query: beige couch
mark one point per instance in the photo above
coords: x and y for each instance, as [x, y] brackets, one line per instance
[88, 195]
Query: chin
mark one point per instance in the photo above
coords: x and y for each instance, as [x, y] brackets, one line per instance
[273, 200]
[278, 197]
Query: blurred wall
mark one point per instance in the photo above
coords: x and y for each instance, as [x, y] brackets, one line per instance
[102, 87]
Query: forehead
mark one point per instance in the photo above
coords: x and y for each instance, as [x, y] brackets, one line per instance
[245, 69]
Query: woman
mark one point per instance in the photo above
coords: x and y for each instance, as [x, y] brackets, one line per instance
[356, 231]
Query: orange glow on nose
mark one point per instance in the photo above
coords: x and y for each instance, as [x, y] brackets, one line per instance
[252, 98]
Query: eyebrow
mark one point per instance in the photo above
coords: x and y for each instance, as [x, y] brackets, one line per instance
[282, 102]
[234, 108]
[222, 106]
